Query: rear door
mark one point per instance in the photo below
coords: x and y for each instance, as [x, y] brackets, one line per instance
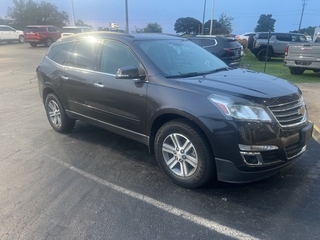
[282, 40]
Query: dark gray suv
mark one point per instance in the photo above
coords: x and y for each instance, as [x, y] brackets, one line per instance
[201, 118]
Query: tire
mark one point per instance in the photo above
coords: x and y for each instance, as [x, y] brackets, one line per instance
[296, 71]
[56, 114]
[250, 42]
[189, 165]
[21, 39]
[33, 44]
[262, 55]
[48, 42]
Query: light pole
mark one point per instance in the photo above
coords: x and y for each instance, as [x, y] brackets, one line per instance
[127, 20]
[204, 14]
[303, 6]
[211, 23]
[72, 12]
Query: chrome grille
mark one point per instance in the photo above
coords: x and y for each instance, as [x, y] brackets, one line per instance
[290, 114]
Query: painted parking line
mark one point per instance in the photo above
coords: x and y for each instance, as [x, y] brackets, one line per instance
[212, 225]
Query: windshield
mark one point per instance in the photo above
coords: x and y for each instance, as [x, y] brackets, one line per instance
[180, 57]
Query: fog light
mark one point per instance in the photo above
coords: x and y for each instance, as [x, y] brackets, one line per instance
[251, 159]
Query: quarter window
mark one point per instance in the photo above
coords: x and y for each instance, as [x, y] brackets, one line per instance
[116, 55]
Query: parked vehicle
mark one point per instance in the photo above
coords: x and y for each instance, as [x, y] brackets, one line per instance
[245, 36]
[41, 34]
[277, 44]
[201, 118]
[9, 34]
[227, 49]
[70, 30]
[301, 57]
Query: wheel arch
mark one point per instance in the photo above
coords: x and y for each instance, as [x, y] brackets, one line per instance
[167, 116]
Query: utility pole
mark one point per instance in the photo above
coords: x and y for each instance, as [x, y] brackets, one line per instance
[73, 19]
[204, 15]
[303, 6]
[127, 21]
[211, 23]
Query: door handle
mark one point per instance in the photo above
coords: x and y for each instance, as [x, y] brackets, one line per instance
[64, 78]
[99, 85]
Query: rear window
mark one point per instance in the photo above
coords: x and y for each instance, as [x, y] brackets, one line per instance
[71, 30]
[232, 43]
[35, 29]
[61, 53]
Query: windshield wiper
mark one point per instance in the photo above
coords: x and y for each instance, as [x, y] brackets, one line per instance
[216, 70]
[185, 75]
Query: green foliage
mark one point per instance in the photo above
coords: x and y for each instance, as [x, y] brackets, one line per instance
[153, 28]
[217, 28]
[226, 22]
[150, 28]
[28, 12]
[103, 29]
[187, 25]
[81, 23]
[265, 23]
[3, 21]
[308, 31]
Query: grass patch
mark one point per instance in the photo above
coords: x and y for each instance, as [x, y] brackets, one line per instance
[275, 67]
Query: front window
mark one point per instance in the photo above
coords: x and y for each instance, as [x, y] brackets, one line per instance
[180, 58]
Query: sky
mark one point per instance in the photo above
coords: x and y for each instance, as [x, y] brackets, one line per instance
[165, 12]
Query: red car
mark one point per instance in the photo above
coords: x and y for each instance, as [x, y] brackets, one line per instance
[41, 34]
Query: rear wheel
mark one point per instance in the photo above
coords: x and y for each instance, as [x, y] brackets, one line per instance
[33, 44]
[184, 154]
[56, 114]
[296, 71]
[48, 42]
[21, 39]
[264, 55]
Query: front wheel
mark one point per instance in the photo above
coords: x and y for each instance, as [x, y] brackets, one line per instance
[56, 114]
[184, 154]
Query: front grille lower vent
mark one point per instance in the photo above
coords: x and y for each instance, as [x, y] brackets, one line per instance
[290, 114]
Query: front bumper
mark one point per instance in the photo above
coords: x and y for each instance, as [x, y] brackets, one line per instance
[231, 164]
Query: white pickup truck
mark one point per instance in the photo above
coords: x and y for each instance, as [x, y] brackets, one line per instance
[301, 57]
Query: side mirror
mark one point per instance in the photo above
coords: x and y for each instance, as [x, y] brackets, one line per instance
[130, 72]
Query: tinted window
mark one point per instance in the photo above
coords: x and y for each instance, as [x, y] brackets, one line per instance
[116, 55]
[6, 29]
[284, 37]
[83, 55]
[71, 30]
[52, 29]
[299, 38]
[263, 36]
[196, 41]
[35, 29]
[60, 53]
[208, 42]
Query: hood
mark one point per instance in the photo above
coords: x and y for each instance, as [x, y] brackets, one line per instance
[19, 31]
[257, 87]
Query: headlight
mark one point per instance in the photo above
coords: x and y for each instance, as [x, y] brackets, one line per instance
[240, 109]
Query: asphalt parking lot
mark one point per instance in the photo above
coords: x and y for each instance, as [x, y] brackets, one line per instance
[93, 184]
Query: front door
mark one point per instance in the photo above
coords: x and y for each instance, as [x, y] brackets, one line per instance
[121, 102]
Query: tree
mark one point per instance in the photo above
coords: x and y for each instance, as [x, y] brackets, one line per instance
[103, 29]
[150, 28]
[187, 25]
[153, 28]
[27, 12]
[308, 31]
[226, 22]
[3, 21]
[82, 23]
[217, 28]
[265, 23]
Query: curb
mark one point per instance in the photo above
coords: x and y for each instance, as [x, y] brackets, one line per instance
[316, 133]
